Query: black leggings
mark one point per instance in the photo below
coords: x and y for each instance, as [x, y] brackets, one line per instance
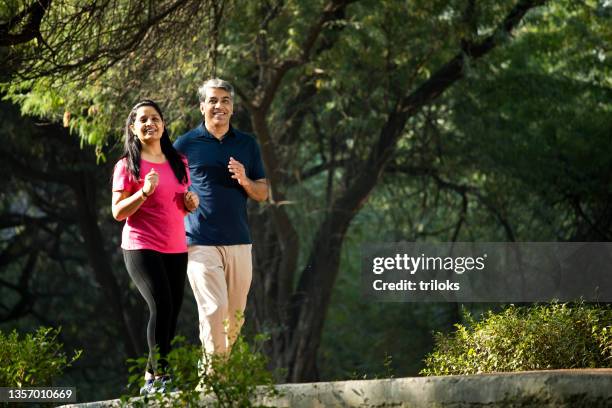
[160, 278]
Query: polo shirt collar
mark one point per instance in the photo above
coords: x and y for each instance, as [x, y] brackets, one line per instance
[207, 135]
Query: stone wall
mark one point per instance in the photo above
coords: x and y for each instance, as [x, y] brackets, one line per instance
[553, 388]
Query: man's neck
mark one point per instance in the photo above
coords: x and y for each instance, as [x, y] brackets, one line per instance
[217, 131]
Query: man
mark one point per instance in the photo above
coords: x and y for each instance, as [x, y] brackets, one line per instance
[226, 168]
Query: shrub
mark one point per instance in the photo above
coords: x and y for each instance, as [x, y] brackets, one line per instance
[232, 380]
[526, 338]
[34, 360]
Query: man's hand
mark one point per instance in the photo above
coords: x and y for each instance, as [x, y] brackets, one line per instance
[238, 172]
[257, 189]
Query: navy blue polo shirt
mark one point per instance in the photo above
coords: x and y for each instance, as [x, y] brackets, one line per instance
[221, 218]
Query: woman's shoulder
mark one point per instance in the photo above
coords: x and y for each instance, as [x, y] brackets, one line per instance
[122, 162]
[123, 169]
[121, 165]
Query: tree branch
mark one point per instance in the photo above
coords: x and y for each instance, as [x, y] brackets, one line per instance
[32, 16]
[334, 10]
[25, 303]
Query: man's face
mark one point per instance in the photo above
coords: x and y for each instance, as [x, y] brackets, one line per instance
[218, 107]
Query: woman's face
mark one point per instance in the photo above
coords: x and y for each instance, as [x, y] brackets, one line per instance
[148, 125]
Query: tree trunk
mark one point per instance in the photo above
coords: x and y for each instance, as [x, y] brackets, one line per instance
[296, 338]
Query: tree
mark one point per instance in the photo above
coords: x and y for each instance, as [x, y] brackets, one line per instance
[303, 309]
[82, 39]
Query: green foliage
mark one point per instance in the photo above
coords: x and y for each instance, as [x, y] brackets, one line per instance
[231, 380]
[526, 338]
[34, 360]
[387, 371]
[107, 56]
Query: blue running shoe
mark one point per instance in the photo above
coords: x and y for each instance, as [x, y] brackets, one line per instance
[149, 387]
[166, 385]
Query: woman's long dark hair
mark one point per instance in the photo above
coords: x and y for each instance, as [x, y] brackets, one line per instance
[132, 146]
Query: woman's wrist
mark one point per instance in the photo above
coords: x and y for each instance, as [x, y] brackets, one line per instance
[143, 194]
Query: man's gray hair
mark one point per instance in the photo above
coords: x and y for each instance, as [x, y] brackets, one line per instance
[215, 83]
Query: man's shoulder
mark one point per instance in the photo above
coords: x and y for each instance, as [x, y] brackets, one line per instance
[184, 141]
[244, 137]
[190, 134]
[240, 133]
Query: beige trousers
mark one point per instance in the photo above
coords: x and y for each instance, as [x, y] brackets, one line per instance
[220, 277]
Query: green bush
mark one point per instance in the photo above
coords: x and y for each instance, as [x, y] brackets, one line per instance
[34, 360]
[232, 380]
[526, 338]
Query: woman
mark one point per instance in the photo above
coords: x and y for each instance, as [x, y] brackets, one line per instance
[150, 190]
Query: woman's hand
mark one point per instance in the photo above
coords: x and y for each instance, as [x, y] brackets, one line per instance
[191, 201]
[151, 181]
